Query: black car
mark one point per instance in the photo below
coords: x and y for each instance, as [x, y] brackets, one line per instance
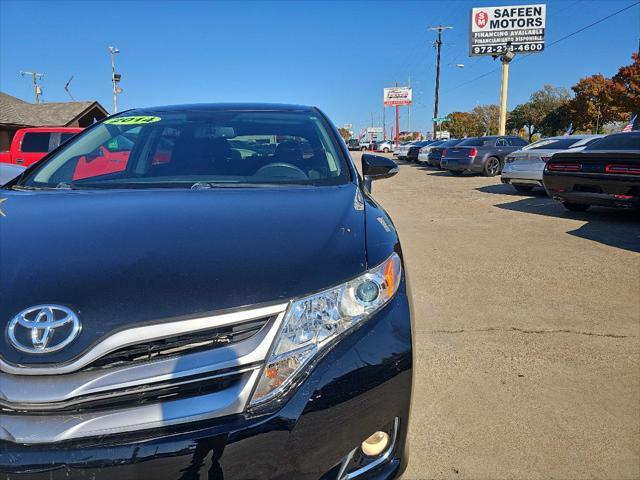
[605, 173]
[353, 144]
[484, 155]
[203, 310]
[414, 149]
[435, 153]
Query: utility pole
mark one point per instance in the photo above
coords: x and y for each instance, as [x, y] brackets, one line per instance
[384, 124]
[115, 78]
[37, 89]
[438, 45]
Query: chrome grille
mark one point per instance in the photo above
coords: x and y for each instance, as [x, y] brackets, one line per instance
[145, 377]
[179, 345]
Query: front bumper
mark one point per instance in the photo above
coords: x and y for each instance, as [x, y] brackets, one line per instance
[360, 385]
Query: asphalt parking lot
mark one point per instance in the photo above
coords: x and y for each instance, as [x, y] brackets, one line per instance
[527, 324]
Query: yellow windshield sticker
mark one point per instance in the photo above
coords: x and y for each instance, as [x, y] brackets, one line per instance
[139, 120]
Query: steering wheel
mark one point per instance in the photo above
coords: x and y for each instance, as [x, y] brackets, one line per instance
[281, 170]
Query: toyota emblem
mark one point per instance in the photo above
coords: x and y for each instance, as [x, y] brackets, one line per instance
[43, 329]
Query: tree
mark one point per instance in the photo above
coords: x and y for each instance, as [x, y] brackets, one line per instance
[626, 86]
[557, 121]
[535, 116]
[344, 133]
[488, 118]
[522, 117]
[594, 103]
[461, 124]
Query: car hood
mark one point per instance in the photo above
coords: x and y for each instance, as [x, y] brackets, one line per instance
[120, 258]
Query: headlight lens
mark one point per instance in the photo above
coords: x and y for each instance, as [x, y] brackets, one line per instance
[312, 322]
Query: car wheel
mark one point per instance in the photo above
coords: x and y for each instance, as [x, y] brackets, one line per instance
[491, 167]
[576, 207]
[523, 188]
[364, 149]
[457, 173]
[385, 150]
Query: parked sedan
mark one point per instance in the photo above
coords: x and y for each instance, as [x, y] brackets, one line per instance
[606, 173]
[523, 168]
[353, 144]
[483, 155]
[423, 152]
[401, 150]
[414, 150]
[432, 154]
[201, 314]
[385, 146]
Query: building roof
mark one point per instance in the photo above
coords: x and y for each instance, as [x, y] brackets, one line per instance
[14, 111]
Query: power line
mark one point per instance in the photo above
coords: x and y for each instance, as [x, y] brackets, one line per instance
[550, 45]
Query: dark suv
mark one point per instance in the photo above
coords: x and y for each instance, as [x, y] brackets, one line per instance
[210, 309]
[485, 155]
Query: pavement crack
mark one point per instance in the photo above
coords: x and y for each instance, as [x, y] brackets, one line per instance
[531, 331]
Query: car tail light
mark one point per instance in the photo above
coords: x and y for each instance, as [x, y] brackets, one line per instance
[444, 152]
[623, 169]
[473, 152]
[565, 167]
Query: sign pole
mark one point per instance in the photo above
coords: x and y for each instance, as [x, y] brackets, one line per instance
[506, 59]
[397, 126]
[503, 96]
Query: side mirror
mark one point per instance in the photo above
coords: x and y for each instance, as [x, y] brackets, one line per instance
[377, 167]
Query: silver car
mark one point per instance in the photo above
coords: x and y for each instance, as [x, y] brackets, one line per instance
[523, 168]
[9, 171]
[401, 150]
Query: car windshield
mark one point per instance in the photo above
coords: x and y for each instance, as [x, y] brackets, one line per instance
[620, 141]
[553, 144]
[196, 149]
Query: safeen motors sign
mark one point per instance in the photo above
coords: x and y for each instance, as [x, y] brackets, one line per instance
[497, 30]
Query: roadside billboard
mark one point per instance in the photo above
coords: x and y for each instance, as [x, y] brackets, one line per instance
[497, 30]
[397, 96]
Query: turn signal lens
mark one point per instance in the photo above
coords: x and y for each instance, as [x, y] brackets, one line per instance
[312, 322]
[473, 152]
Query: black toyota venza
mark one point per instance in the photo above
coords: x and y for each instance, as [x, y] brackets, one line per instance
[203, 291]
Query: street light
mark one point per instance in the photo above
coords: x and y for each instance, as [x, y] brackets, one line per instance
[115, 78]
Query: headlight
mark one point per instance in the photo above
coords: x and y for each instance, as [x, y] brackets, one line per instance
[312, 322]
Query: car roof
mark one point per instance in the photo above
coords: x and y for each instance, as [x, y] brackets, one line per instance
[205, 107]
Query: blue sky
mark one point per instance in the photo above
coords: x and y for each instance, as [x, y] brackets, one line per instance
[336, 55]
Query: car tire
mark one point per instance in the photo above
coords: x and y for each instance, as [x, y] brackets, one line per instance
[523, 188]
[455, 173]
[364, 149]
[491, 167]
[576, 207]
[385, 150]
